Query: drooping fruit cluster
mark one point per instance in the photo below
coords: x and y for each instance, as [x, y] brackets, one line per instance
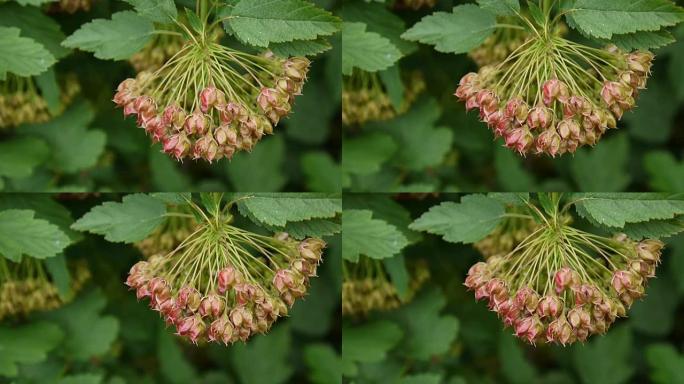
[209, 101]
[367, 287]
[504, 41]
[552, 95]
[561, 285]
[161, 48]
[26, 287]
[364, 97]
[414, 4]
[170, 234]
[224, 284]
[22, 102]
[71, 6]
[506, 236]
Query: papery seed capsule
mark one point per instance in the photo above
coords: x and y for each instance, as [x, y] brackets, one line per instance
[212, 305]
[565, 278]
[549, 306]
[227, 278]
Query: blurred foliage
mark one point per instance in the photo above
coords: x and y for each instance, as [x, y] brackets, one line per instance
[436, 146]
[91, 147]
[105, 336]
[443, 336]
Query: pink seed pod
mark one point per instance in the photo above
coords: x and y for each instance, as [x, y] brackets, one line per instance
[553, 90]
[196, 123]
[520, 139]
[560, 331]
[549, 306]
[192, 327]
[565, 278]
[209, 96]
[624, 281]
[650, 250]
[284, 280]
[174, 116]
[212, 305]
[469, 79]
[226, 278]
[244, 293]
[579, 318]
[569, 129]
[540, 117]
[527, 298]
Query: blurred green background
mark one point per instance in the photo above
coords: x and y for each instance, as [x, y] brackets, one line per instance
[106, 336]
[646, 153]
[443, 336]
[302, 155]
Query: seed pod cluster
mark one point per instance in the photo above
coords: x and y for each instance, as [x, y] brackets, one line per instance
[506, 236]
[160, 49]
[364, 98]
[228, 284]
[498, 46]
[572, 294]
[414, 4]
[71, 6]
[209, 101]
[21, 102]
[169, 235]
[367, 290]
[543, 105]
[25, 287]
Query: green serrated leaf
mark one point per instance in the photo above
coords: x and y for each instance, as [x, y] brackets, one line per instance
[368, 343]
[115, 39]
[325, 365]
[312, 228]
[384, 208]
[616, 210]
[654, 229]
[262, 169]
[501, 7]
[159, 11]
[605, 359]
[365, 155]
[605, 18]
[250, 364]
[604, 167]
[666, 173]
[82, 378]
[365, 50]
[22, 234]
[300, 48]
[27, 344]
[466, 222]
[465, 28]
[36, 25]
[61, 278]
[173, 365]
[129, 221]
[427, 332]
[667, 365]
[19, 156]
[262, 22]
[45, 208]
[422, 378]
[74, 146]
[88, 333]
[321, 171]
[21, 55]
[643, 40]
[363, 235]
[278, 209]
[422, 144]
[380, 20]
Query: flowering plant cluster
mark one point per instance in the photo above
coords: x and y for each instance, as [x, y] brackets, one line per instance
[365, 98]
[542, 98]
[561, 284]
[223, 283]
[22, 102]
[367, 287]
[26, 287]
[209, 101]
